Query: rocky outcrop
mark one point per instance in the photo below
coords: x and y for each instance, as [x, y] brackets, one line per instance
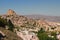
[11, 12]
[2, 35]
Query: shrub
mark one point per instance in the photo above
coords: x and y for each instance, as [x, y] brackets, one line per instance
[11, 26]
[42, 35]
[3, 22]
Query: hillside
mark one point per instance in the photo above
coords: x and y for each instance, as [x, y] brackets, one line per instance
[9, 35]
[19, 20]
[14, 25]
[34, 23]
[6, 30]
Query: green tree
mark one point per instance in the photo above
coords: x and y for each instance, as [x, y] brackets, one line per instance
[3, 22]
[42, 35]
[11, 26]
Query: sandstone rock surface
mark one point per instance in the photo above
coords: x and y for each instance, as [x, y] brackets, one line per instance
[11, 12]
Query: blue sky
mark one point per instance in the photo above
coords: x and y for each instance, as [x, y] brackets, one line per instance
[29, 7]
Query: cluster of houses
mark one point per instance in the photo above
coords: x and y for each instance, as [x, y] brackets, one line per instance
[20, 21]
[26, 35]
[49, 26]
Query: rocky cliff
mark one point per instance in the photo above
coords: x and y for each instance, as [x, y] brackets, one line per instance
[11, 12]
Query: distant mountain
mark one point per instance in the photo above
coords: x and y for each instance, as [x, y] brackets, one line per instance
[49, 18]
